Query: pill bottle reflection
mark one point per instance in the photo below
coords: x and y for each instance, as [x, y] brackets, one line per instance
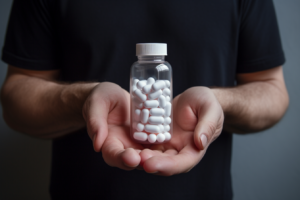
[151, 95]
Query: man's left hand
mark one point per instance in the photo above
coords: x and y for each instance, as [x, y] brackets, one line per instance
[198, 121]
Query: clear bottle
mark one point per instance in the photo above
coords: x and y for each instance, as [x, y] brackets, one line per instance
[151, 95]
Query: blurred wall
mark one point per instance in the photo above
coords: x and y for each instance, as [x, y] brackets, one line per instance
[265, 165]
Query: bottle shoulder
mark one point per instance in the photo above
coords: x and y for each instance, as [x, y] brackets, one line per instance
[138, 64]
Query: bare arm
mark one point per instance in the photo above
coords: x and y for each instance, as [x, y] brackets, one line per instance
[257, 103]
[34, 103]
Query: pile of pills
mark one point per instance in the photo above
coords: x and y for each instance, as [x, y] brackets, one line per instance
[151, 110]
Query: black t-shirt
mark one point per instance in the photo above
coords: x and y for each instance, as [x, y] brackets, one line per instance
[209, 42]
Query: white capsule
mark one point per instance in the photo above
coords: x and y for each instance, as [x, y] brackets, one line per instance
[167, 83]
[154, 95]
[137, 103]
[141, 84]
[139, 95]
[167, 121]
[168, 98]
[137, 115]
[140, 127]
[159, 84]
[161, 127]
[152, 128]
[162, 101]
[140, 136]
[166, 92]
[156, 120]
[150, 81]
[147, 89]
[167, 135]
[144, 116]
[160, 137]
[135, 81]
[157, 111]
[151, 104]
[152, 138]
[168, 109]
[166, 128]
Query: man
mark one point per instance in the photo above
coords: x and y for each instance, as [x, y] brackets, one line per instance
[69, 60]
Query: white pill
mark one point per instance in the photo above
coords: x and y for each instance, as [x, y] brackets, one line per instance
[166, 92]
[152, 128]
[157, 111]
[137, 115]
[167, 121]
[168, 98]
[156, 120]
[159, 84]
[139, 95]
[137, 103]
[141, 84]
[154, 95]
[151, 104]
[161, 137]
[152, 138]
[168, 109]
[147, 89]
[162, 128]
[167, 83]
[144, 116]
[166, 128]
[167, 135]
[135, 81]
[150, 81]
[140, 127]
[140, 136]
[162, 101]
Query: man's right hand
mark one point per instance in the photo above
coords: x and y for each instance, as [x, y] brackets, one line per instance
[107, 115]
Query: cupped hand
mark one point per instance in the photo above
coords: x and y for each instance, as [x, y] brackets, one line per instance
[107, 115]
[198, 121]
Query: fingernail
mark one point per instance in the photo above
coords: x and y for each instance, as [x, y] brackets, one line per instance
[203, 140]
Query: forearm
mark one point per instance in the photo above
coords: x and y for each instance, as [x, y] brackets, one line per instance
[43, 108]
[253, 106]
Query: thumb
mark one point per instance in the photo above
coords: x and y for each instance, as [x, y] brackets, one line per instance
[208, 121]
[95, 113]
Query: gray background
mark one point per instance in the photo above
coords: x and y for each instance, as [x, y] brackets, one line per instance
[265, 165]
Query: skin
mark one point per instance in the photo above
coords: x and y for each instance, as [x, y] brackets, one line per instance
[36, 104]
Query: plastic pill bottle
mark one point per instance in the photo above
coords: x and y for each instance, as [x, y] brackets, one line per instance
[151, 95]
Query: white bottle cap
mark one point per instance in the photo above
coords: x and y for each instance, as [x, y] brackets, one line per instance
[151, 49]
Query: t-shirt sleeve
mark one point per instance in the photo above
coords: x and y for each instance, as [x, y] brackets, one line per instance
[30, 41]
[259, 40]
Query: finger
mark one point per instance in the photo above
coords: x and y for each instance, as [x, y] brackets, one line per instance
[171, 152]
[208, 119]
[115, 155]
[168, 165]
[147, 154]
[96, 112]
[131, 158]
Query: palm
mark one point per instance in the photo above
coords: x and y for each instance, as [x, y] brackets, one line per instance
[106, 112]
[180, 154]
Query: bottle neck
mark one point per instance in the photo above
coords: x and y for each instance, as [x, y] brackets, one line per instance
[151, 58]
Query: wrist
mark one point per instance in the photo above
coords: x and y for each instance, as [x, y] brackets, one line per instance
[224, 97]
[73, 97]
